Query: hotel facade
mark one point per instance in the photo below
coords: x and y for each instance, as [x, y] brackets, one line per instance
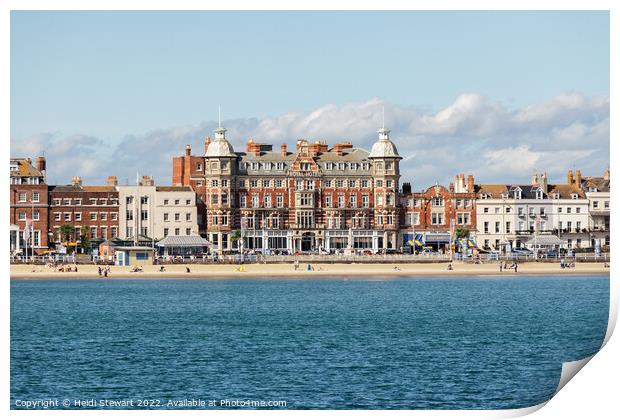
[313, 199]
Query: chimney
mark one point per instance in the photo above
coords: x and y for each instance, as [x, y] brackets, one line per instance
[606, 175]
[406, 188]
[470, 183]
[252, 147]
[207, 143]
[451, 187]
[41, 165]
[112, 181]
[543, 182]
[569, 177]
[283, 149]
[535, 179]
[147, 181]
[188, 150]
[578, 178]
[76, 181]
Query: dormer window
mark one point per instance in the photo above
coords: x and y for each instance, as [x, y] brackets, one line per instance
[539, 195]
[574, 196]
[505, 195]
[484, 196]
[556, 196]
[592, 189]
[517, 194]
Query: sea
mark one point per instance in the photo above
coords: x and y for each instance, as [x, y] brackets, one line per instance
[478, 342]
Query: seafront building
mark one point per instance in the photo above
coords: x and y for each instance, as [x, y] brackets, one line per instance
[596, 189]
[29, 209]
[510, 215]
[154, 212]
[438, 215]
[315, 198]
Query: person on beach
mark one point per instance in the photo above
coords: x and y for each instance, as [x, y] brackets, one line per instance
[449, 267]
[516, 266]
[105, 272]
[296, 264]
[500, 266]
[162, 269]
[187, 269]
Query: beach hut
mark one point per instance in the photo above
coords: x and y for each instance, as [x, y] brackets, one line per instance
[133, 255]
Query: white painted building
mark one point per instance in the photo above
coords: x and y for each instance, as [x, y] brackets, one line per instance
[156, 212]
[597, 190]
[507, 216]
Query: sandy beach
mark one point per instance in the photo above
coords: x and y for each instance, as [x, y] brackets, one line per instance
[319, 270]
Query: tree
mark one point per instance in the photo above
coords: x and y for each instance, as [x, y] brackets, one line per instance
[84, 241]
[66, 233]
[462, 233]
[235, 236]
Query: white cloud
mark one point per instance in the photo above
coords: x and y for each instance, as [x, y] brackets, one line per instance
[472, 135]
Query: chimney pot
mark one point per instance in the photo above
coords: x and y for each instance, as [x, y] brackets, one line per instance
[470, 183]
[569, 177]
[283, 149]
[112, 181]
[606, 175]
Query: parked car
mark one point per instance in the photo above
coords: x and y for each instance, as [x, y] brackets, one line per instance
[522, 252]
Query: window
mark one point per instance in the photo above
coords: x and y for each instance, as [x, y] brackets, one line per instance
[22, 215]
[78, 202]
[166, 217]
[486, 227]
[606, 204]
[129, 216]
[379, 183]
[188, 231]
[462, 218]
[188, 217]
[177, 217]
[437, 201]
[93, 232]
[57, 216]
[188, 202]
[364, 183]
[166, 202]
[485, 210]
[507, 227]
[177, 231]
[352, 201]
[35, 215]
[103, 217]
[93, 216]
[67, 217]
[78, 217]
[595, 204]
[437, 218]
[569, 210]
[128, 201]
[35, 197]
[328, 200]
[339, 183]
[22, 197]
[577, 209]
[166, 230]
[280, 201]
[497, 227]
[242, 200]
[365, 200]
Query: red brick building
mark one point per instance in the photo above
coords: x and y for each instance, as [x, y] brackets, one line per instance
[433, 215]
[314, 198]
[29, 206]
[92, 211]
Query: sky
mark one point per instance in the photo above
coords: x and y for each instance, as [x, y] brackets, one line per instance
[495, 94]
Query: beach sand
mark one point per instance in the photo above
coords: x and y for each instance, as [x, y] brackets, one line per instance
[320, 270]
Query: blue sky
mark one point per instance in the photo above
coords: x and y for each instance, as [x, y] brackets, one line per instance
[113, 76]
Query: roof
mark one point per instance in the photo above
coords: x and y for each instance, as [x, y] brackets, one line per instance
[382, 149]
[173, 188]
[544, 240]
[102, 188]
[134, 248]
[180, 241]
[25, 168]
[528, 191]
[220, 148]
[598, 182]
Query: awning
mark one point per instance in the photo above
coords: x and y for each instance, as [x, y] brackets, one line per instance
[544, 240]
[467, 242]
[417, 241]
[437, 238]
[183, 241]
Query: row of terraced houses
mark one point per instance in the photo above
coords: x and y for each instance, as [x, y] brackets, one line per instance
[315, 198]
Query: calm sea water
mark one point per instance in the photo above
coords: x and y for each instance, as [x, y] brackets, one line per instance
[452, 343]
